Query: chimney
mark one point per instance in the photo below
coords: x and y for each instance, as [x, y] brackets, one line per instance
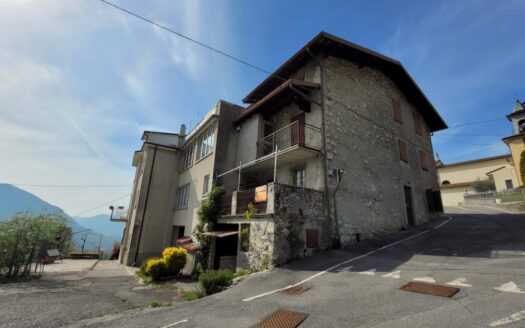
[182, 131]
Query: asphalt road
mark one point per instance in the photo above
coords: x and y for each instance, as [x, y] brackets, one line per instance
[481, 251]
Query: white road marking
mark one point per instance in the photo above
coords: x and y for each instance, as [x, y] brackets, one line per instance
[394, 275]
[510, 287]
[174, 324]
[460, 282]
[371, 272]
[346, 262]
[346, 269]
[510, 319]
[425, 279]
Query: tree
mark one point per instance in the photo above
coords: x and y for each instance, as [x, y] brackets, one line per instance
[484, 185]
[207, 218]
[24, 239]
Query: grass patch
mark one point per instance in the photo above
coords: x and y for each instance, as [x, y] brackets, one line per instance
[241, 272]
[193, 294]
[147, 279]
[156, 304]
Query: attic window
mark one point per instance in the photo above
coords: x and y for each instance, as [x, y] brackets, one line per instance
[396, 108]
[521, 125]
[446, 182]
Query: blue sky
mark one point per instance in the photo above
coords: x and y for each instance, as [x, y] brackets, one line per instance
[80, 81]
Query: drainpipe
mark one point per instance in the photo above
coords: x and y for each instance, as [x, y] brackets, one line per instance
[145, 204]
[325, 160]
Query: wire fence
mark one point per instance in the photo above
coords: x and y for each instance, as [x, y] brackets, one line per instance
[503, 196]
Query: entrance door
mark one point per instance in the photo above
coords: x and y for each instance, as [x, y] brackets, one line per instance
[408, 205]
[297, 133]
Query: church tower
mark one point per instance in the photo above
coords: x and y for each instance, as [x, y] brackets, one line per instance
[516, 142]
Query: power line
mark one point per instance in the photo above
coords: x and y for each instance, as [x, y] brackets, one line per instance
[202, 44]
[475, 123]
[475, 152]
[457, 141]
[69, 186]
[101, 205]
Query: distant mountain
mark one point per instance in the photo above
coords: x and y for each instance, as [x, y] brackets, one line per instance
[14, 200]
[101, 223]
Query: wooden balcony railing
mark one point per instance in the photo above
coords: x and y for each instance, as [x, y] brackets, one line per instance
[295, 133]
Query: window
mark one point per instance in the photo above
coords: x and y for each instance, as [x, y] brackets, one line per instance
[446, 182]
[521, 126]
[417, 123]
[205, 185]
[245, 237]
[509, 184]
[182, 196]
[299, 177]
[403, 152]
[396, 107]
[205, 143]
[187, 157]
[424, 160]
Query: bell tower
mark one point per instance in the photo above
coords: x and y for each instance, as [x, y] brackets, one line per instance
[516, 142]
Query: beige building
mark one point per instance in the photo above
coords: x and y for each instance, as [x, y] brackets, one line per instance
[334, 147]
[457, 179]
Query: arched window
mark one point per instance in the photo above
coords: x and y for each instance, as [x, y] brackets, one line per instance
[446, 182]
[521, 126]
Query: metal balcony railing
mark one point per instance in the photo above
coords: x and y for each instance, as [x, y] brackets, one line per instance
[295, 133]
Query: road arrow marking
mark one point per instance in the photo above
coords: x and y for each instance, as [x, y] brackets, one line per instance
[371, 272]
[346, 269]
[508, 320]
[394, 275]
[460, 282]
[175, 323]
[510, 287]
[425, 279]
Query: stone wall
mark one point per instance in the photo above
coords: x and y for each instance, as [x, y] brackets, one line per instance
[362, 138]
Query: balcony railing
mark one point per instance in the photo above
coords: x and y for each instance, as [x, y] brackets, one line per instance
[237, 203]
[295, 133]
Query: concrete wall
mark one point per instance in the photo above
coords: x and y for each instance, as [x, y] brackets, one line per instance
[247, 139]
[500, 176]
[361, 138]
[454, 196]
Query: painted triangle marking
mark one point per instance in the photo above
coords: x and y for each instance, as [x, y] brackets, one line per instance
[510, 287]
[460, 282]
[394, 275]
[346, 269]
[510, 319]
[425, 279]
[371, 272]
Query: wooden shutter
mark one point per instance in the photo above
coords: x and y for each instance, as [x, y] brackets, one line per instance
[424, 160]
[396, 107]
[403, 151]
[417, 123]
[312, 238]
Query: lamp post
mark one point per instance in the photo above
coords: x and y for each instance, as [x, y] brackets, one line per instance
[112, 208]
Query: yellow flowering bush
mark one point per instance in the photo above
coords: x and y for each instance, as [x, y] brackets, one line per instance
[155, 267]
[175, 259]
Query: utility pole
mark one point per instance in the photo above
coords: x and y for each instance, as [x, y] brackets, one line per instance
[99, 243]
[84, 241]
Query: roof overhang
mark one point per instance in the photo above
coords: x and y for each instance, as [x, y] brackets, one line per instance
[325, 44]
[479, 160]
[514, 137]
[287, 92]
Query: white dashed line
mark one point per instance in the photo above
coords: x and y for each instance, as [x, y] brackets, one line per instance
[371, 272]
[460, 282]
[394, 275]
[510, 319]
[346, 262]
[174, 324]
[425, 279]
[510, 287]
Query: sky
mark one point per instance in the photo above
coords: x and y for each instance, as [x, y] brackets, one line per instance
[80, 81]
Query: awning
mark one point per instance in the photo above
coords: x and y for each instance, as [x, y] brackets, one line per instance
[220, 234]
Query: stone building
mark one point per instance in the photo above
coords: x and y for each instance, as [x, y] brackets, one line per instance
[334, 147]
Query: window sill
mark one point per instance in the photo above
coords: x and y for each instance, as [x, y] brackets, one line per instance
[203, 158]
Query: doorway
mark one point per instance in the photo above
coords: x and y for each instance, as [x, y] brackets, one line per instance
[297, 133]
[409, 205]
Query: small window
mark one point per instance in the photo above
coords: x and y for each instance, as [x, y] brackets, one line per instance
[182, 196]
[205, 184]
[424, 160]
[396, 107]
[446, 182]
[521, 126]
[417, 123]
[299, 177]
[205, 143]
[245, 237]
[509, 184]
[403, 151]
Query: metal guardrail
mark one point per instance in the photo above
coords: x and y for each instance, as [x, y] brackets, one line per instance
[295, 133]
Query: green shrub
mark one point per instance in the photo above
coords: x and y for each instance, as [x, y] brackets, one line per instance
[213, 281]
[156, 304]
[241, 272]
[175, 258]
[155, 267]
[193, 294]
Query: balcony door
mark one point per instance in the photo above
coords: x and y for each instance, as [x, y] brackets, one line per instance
[297, 131]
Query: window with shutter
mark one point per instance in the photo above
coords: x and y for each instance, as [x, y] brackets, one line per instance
[417, 123]
[396, 107]
[424, 160]
[403, 151]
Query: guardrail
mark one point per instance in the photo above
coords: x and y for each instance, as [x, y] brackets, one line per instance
[295, 133]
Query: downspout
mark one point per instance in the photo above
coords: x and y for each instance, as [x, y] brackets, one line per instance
[145, 205]
[325, 159]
